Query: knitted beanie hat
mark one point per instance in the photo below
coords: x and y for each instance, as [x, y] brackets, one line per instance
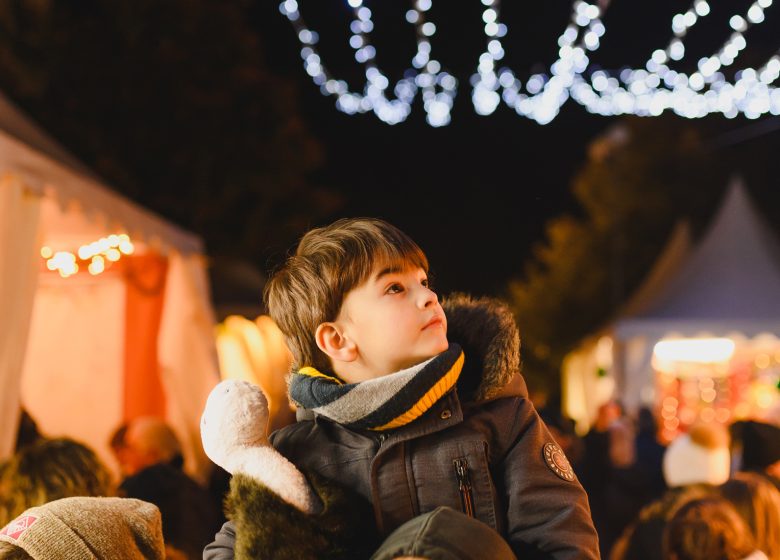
[89, 529]
[444, 534]
[700, 456]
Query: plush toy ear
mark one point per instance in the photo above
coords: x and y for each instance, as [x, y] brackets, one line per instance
[331, 339]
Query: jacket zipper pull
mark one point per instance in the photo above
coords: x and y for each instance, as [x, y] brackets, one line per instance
[464, 485]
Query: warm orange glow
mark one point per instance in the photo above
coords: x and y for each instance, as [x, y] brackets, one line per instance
[701, 350]
[111, 248]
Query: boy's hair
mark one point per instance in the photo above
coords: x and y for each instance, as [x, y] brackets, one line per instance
[47, 470]
[310, 287]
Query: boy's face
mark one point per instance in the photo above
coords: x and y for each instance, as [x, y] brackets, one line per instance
[395, 321]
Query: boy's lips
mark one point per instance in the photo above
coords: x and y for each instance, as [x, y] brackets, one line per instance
[434, 322]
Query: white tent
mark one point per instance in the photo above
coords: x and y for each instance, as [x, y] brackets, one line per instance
[727, 284]
[68, 345]
[590, 372]
[730, 282]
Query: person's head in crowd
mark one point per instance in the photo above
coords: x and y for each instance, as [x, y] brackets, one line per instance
[28, 431]
[143, 442]
[606, 414]
[760, 446]
[700, 456]
[562, 429]
[120, 450]
[90, 528]
[708, 529]
[646, 422]
[758, 502]
[51, 469]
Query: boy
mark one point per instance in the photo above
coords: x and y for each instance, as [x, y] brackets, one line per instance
[406, 416]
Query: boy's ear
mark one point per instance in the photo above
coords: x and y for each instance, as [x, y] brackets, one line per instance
[331, 339]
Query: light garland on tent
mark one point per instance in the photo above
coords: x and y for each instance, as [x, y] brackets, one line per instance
[648, 91]
[97, 256]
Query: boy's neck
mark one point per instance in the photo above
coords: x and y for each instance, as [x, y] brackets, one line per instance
[354, 372]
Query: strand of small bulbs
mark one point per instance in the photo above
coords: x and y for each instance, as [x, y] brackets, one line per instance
[648, 91]
[98, 255]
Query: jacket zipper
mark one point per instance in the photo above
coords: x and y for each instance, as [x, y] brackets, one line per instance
[464, 485]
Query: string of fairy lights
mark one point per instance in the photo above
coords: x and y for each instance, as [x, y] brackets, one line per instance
[96, 257]
[647, 91]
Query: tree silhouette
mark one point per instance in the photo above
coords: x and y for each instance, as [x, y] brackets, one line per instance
[171, 103]
[640, 177]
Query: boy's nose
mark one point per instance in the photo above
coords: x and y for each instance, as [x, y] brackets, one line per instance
[427, 297]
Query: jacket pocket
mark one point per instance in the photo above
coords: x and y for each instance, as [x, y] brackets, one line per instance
[464, 486]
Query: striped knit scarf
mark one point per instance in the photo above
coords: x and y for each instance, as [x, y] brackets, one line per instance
[381, 403]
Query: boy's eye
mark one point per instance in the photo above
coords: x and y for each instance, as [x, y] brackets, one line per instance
[425, 283]
[395, 289]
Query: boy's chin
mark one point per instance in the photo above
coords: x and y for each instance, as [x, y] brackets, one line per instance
[426, 356]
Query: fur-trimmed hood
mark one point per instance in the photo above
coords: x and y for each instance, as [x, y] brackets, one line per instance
[486, 330]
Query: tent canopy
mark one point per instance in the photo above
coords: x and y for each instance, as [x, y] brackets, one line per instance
[67, 344]
[49, 170]
[730, 281]
[726, 283]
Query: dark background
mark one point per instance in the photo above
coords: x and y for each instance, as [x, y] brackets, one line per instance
[477, 193]
[201, 110]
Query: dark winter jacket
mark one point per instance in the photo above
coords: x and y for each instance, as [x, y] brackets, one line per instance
[481, 449]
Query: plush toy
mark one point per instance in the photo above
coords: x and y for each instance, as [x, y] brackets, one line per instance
[233, 429]
[276, 510]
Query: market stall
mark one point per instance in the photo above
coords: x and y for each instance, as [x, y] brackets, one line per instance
[106, 305]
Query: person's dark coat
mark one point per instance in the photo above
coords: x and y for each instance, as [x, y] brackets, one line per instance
[189, 516]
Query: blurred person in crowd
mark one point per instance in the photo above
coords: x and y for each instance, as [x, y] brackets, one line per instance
[47, 470]
[694, 464]
[146, 441]
[649, 456]
[758, 502]
[758, 446]
[120, 450]
[97, 528]
[150, 457]
[709, 529]
[562, 429]
[28, 431]
[608, 452]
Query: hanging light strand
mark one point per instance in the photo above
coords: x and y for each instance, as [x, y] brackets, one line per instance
[647, 91]
[544, 94]
[438, 88]
[96, 256]
[659, 88]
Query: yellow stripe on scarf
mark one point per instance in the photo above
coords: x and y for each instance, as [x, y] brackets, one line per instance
[312, 372]
[428, 399]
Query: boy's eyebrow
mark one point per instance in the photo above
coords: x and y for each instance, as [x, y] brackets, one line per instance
[392, 269]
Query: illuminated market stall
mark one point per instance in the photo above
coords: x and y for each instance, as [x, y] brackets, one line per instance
[106, 310]
[701, 340]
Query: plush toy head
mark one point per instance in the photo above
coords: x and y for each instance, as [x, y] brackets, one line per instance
[235, 419]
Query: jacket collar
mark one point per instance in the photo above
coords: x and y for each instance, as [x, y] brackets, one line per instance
[486, 330]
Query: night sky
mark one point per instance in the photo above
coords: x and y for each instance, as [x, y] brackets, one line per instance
[475, 194]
